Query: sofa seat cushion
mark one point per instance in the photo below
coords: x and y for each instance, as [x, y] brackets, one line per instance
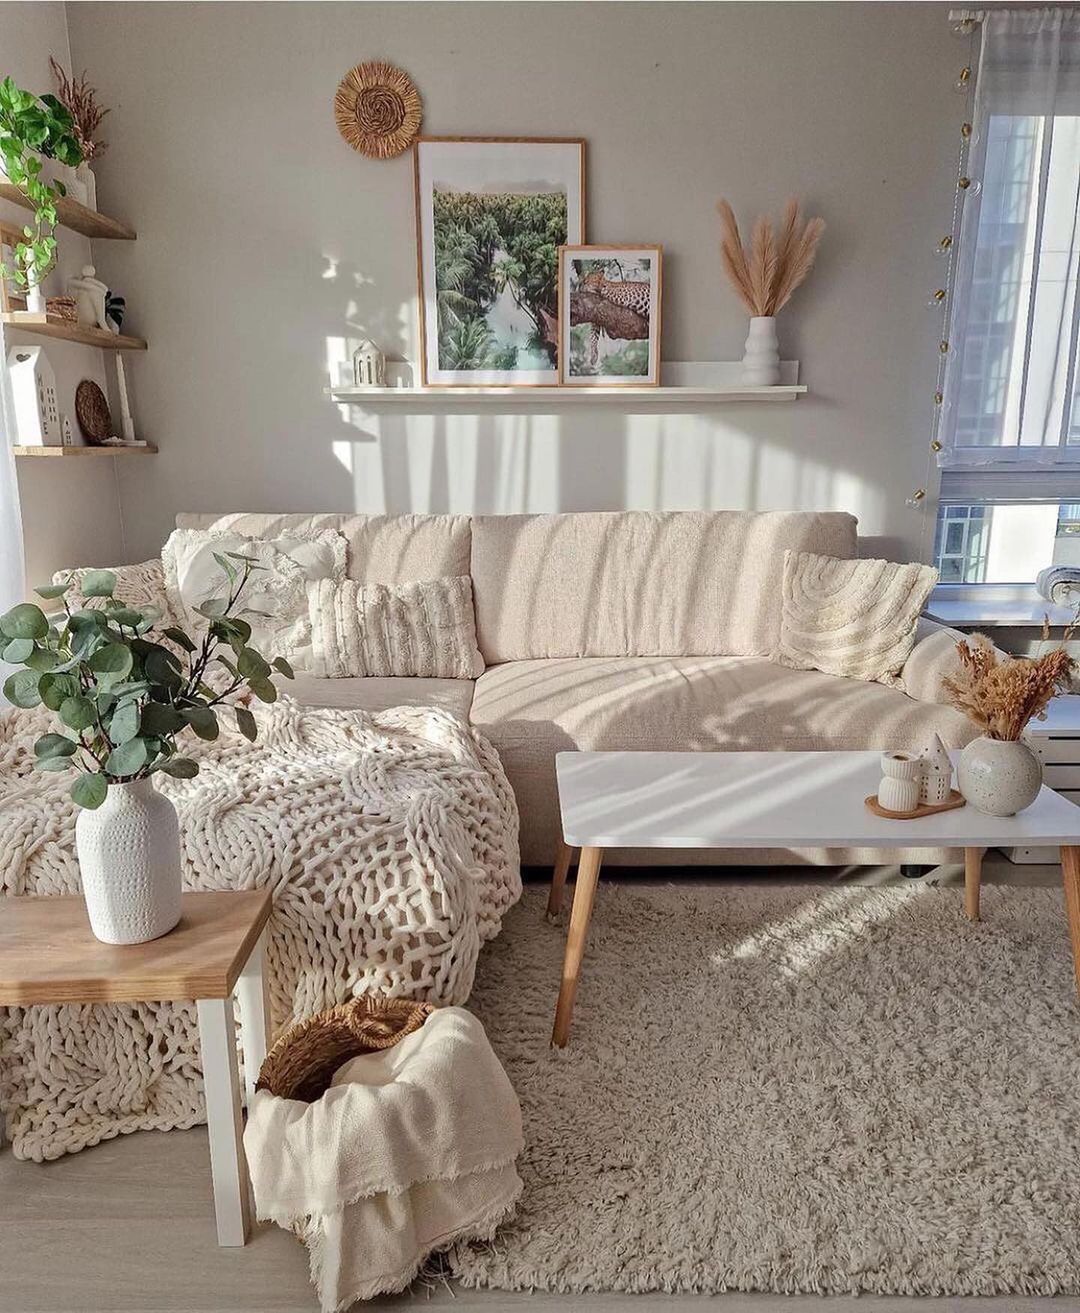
[698, 703]
[377, 694]
[532, 709]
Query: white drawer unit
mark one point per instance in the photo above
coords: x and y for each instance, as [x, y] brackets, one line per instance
[1056, 741]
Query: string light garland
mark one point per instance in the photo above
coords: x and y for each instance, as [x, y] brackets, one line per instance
[941, 297]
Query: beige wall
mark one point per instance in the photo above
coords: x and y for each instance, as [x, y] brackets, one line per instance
[70, 508]
[266, 244]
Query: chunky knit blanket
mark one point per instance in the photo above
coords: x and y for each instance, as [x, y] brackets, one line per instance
[389, 841]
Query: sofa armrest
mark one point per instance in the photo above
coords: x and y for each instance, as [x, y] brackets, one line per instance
[932, 658]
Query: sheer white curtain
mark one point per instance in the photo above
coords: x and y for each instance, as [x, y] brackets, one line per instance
[1012, 391]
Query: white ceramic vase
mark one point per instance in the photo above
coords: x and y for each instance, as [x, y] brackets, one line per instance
[761, 362]
[87, 181]
[35, 300]
[129, 857]
[997, 777]
[76, 185]
[901, 776]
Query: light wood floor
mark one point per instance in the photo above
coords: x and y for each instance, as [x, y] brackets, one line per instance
[127, 1228]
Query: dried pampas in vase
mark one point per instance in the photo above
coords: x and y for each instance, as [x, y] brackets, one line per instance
[998, 773]
[764, 276]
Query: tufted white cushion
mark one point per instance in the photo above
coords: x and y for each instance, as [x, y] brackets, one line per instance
[423, 629]
[850, 618]
[278, 589]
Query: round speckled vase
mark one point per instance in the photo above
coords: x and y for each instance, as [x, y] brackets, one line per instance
[999, 777]
[129, 857]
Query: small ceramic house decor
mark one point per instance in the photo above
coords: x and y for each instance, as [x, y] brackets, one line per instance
[936, 781]
[369, 366]
[33, 389]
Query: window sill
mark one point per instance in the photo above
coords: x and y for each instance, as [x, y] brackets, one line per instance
[994, 606]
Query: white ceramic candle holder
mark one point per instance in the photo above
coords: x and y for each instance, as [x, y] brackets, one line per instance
[901, 778]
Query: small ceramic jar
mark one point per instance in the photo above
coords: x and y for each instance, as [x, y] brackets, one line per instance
[901, 777]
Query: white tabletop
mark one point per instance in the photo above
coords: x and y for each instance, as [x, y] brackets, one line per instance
[770, 800]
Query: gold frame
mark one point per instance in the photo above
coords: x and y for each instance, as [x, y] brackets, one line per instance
[655, 320]
[530, 141]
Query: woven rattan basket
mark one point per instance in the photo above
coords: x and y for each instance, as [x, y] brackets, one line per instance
[303, 1061]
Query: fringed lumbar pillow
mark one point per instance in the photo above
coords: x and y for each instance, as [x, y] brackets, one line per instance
[424, 629]
[850, 618]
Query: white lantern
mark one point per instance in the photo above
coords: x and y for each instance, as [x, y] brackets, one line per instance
[33, 390]
[369, 366]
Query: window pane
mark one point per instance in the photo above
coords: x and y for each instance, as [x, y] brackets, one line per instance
[1006, 543]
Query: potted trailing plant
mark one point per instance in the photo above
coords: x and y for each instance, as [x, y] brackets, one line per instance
[32, 129]
[998, 773]
[124, 695]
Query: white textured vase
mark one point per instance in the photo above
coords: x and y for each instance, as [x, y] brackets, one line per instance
[88, 182]
[901, 776]
[761, 362]
[129, 857]
[997, 777]
[35, 300]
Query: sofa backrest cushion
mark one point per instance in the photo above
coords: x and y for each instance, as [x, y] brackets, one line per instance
[382, 549]
[640, 583]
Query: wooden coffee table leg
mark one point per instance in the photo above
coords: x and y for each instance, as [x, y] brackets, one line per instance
[972, 881]
[1070, 873]
[563, 859]
[584, 892]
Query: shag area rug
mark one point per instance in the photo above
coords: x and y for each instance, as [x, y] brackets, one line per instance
[792, 1089]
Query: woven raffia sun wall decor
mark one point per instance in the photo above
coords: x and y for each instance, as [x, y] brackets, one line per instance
[378, 109]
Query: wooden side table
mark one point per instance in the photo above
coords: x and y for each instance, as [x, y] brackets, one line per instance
[48, 955]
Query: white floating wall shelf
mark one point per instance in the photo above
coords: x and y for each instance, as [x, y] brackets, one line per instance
[695, 383]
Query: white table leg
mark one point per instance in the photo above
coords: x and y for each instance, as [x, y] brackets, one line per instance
[251, 994]
[228, 1166]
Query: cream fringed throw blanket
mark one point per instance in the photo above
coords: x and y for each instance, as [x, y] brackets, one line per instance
[390, 844]
[409, 1150]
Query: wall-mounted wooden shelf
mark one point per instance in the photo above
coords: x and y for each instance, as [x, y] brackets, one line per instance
[148, 450]
[79, 218]
[69, 332]
[695, 383]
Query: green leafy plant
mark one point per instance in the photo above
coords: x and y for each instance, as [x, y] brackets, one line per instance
[122, 697]
[33, 128]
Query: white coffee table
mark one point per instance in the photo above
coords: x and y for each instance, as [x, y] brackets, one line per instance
[766, 800]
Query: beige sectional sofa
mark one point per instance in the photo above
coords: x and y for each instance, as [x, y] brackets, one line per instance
[625, 630]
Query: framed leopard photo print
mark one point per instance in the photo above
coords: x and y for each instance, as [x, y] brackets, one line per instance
[609, 316]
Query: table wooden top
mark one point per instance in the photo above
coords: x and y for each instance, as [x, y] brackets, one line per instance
[49, 955]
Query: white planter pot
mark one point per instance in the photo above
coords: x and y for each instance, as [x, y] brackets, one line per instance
[129, 857]
[999, 778]
[87, 181]
[761, 363]
[76, 185]
[35, 300]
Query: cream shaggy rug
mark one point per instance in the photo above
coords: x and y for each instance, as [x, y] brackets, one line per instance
[792, 1089]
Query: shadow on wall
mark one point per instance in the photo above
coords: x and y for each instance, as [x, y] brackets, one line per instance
[440, 456]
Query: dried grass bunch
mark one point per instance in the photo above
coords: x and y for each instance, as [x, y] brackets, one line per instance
[79, 98]
[1002, 694]
[765, 274]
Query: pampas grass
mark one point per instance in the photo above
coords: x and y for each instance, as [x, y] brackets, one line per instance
[1002, 695]
[765, 275]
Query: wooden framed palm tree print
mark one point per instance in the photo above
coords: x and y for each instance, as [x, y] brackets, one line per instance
[491, 214]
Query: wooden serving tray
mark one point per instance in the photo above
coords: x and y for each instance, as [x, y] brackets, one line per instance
[924, 808]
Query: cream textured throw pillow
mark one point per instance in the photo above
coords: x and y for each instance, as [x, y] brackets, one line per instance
[424, 629]
[852, 618]
[289, 563]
